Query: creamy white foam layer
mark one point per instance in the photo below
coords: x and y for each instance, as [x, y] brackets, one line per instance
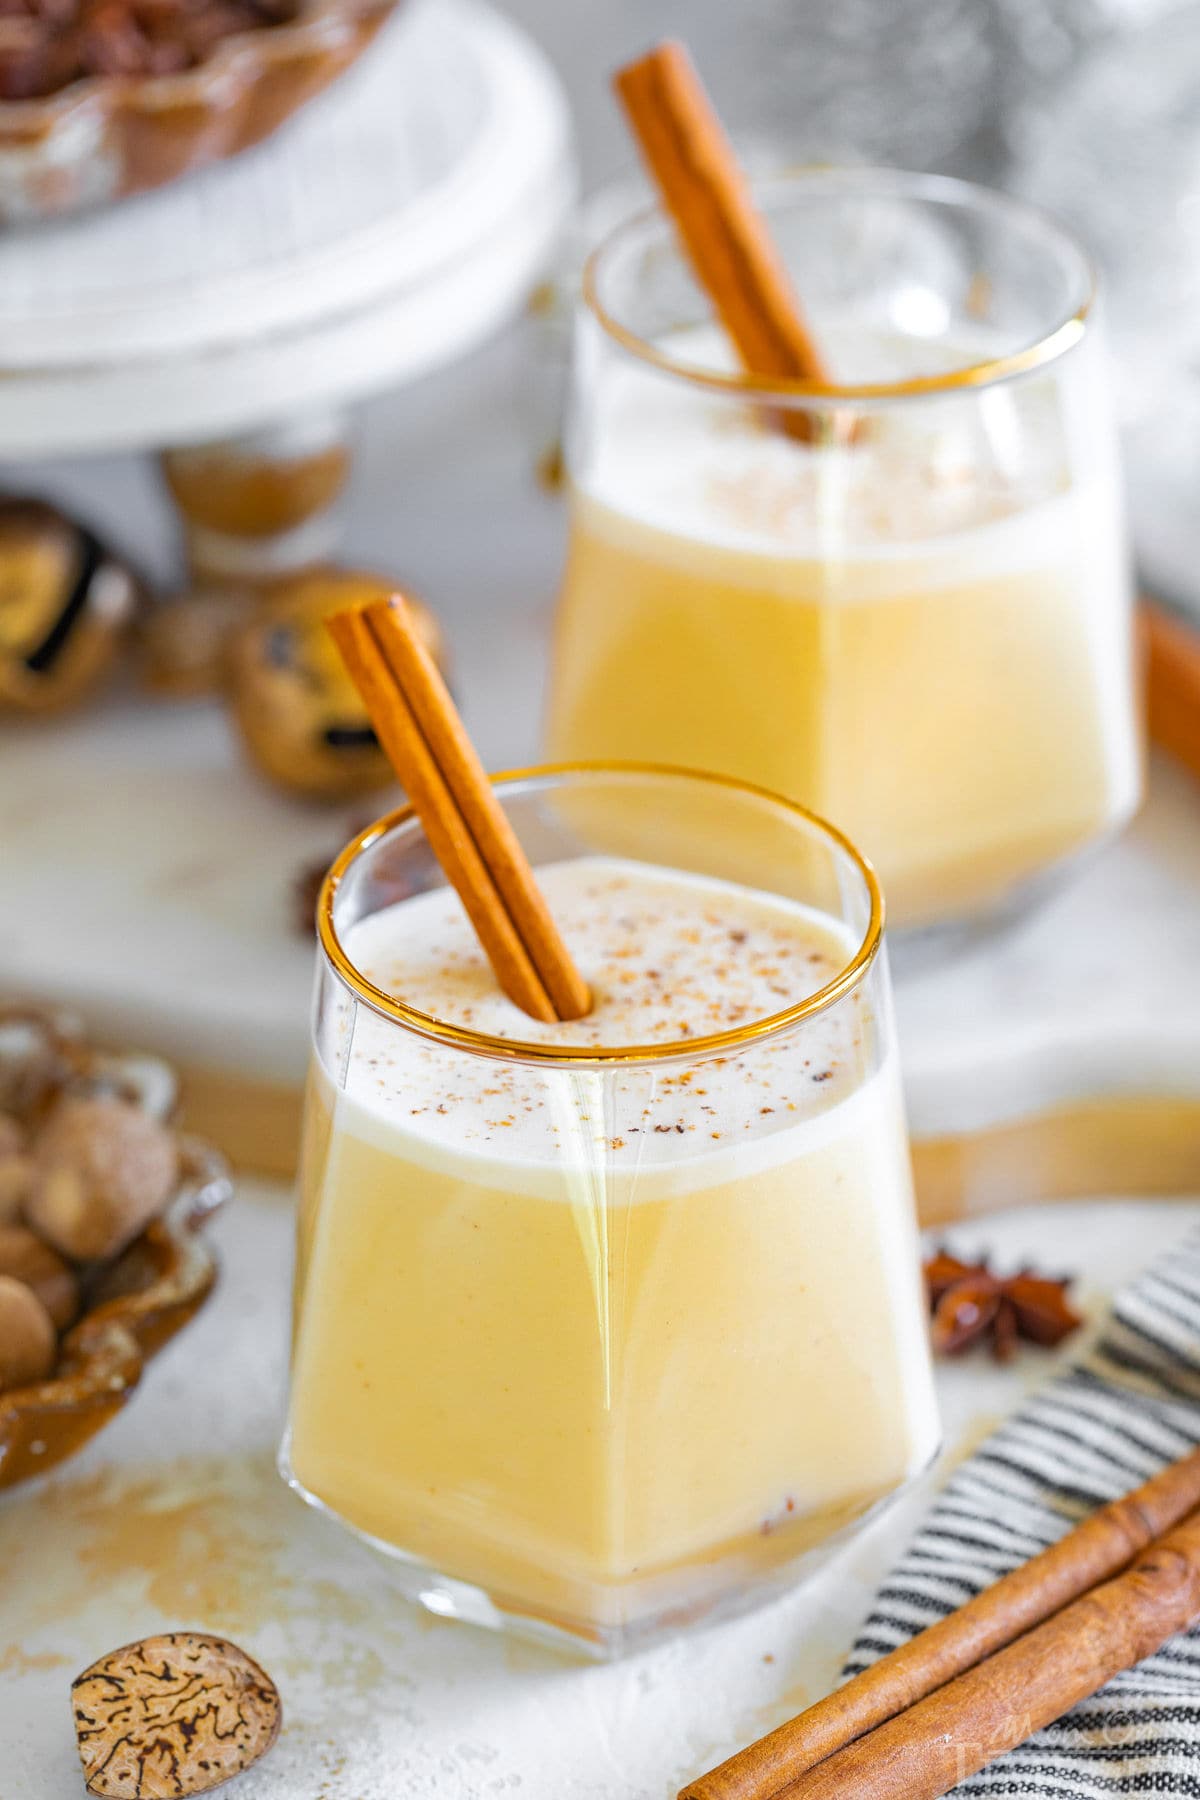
[980, 483]
[667, 956]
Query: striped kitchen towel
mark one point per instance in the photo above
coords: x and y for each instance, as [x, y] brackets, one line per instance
[1131, 1405]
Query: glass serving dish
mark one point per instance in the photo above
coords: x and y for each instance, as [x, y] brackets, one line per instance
[107, 136]
[132, 1306]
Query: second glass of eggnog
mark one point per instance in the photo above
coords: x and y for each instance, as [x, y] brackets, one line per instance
[605, 1326]
[903, 599]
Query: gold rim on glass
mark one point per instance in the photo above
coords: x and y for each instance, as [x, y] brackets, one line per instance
[1060, 338]
[525, 1050]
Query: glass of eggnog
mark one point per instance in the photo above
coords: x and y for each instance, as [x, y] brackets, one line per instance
[902, 598]
[606, 1326]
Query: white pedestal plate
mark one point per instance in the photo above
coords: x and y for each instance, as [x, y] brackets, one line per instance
[386, 230]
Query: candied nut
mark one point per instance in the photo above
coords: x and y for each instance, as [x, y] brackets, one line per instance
[165, 58]
[206, 28]
[23, 58]
[174, 1715]
[110, 42]
[45, 44]
[103, 1168]
[28, 1340]
[24, 1256]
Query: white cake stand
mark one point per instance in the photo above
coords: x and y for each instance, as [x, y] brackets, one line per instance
[392, 225]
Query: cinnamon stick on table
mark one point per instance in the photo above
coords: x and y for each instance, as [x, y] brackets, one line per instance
[1172, 657]
[426, 743]
[1105, 1543]
[922, 1753]
[725, 236]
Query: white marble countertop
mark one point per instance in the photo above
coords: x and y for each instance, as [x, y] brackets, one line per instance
[148, 882]
[175, 1518]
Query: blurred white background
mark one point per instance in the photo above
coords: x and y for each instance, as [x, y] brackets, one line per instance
[972, 87]
[934, 84]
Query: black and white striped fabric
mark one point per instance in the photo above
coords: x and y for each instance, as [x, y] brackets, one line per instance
[1128, 1407]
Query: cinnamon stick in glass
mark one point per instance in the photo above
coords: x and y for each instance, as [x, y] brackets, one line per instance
[1104, 1544]
[425, 741]
[924, 1752]
[725, 236]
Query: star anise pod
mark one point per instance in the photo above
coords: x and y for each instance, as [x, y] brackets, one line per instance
[971, 1304]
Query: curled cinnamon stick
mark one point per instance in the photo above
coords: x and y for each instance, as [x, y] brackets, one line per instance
[725, 236]
[924, 1752]
[425, 741]
[1105, 1543]
[1172, 657]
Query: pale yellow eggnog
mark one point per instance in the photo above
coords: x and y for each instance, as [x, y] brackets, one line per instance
[924, 635]
[609, 1343]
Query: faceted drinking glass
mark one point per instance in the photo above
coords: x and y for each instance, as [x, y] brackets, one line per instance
[593, 1338]
[916, 618]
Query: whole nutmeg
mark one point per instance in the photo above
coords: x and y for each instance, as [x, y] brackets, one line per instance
[173, 1715]
[28, 1340]
[16, 1170]
[102, 1169]
[16, 1179]
[31, 1057]
[24, 1256]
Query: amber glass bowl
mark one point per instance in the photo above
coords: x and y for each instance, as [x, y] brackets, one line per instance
[133, 1305]
[147, 1295]
[106, 136]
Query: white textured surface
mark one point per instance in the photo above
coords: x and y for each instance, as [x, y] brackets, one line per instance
[176, 1518]
[1097, 993]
